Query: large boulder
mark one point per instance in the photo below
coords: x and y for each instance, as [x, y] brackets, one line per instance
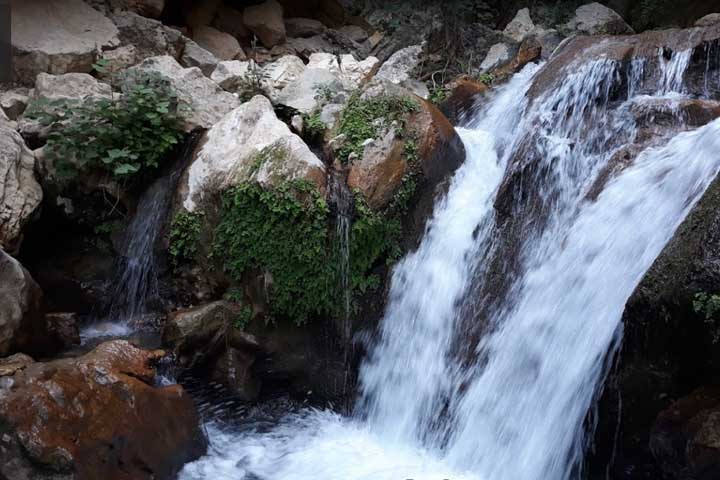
[223, 45]
[231, 21]
[57, 37]
[279, 74]
[496, 56]
[426, 147]
[96, 416]
[266, 21]
[206, 337]
[521, 26]
[149, 37]
[249, 144]
[230, 75]
[303, 27]
[200, 13]
[306, 93]
[597, 19]
[20, 193]
[208, 102]
[685, 438]
[199, 333]
[195, 56]
[22, 325]
[400, 66]
[69, 86]
[146, 8]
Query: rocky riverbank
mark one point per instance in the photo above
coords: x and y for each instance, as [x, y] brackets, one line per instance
[304, 145]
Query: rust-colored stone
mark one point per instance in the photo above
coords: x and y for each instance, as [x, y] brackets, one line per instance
[97, 416]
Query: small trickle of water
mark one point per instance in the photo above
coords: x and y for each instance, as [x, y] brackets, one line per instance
[673, 71]
[126, 308]
[342, 200]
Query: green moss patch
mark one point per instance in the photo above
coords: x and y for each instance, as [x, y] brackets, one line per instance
[286, 231]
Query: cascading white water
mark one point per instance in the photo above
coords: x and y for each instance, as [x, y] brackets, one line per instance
[515, 407]
[136, 280]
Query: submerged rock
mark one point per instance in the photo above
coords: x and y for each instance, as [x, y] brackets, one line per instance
[96, 416]
[206, 337]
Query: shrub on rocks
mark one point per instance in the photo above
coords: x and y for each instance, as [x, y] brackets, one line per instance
[121, 136]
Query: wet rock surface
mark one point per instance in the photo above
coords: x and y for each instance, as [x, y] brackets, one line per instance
[96, 416]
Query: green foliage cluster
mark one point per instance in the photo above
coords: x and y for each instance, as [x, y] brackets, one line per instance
[101, 236]
[374, 235]
[314, 127]
[183, 237]
[486, 78]
[242, 319]
[438, 95]
[122, 136]
[282, 230]
[707, 305]
[360, 119]
[251, 84]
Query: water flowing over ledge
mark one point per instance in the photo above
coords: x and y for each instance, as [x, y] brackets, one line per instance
[494, 346]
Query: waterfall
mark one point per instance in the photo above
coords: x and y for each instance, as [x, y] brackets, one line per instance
[135, 283]
[500, 327]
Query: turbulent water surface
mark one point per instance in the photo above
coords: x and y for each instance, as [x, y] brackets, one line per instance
[439, 402]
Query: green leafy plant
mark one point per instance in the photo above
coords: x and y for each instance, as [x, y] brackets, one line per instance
[100, 238]
[314, 126]
[363, 118]
[705, 304]
[709, 306]
[282, 230]
[183, 237]
[121, 136]
[373, 236]
[101, 65]
[242, 319]
[324, 93]
[438, 95]
[486, 78]
[251, 84]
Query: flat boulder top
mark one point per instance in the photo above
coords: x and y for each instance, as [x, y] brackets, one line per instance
[60, 26]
